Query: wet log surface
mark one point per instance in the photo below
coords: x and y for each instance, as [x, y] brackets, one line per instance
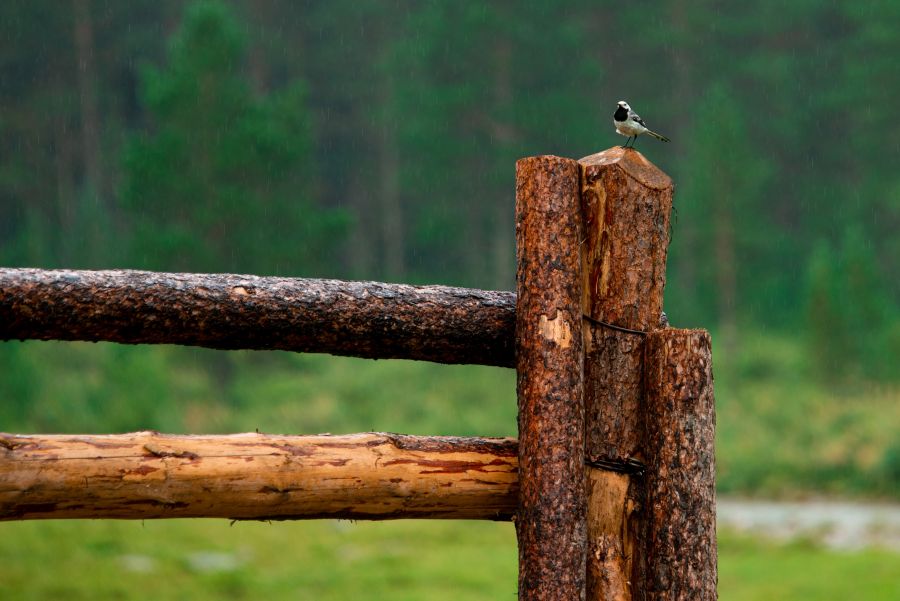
[625, 204]
[680, 530]
[147, 475]
[221, 311]
[551, 520]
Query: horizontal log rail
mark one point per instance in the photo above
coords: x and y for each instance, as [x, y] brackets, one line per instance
[147, 475]
[221, 311]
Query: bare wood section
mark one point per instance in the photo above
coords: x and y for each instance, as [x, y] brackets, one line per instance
[625, 202]
[611, 540]
[550, 522]
[148, 475]
[680, 534]
[359, 319]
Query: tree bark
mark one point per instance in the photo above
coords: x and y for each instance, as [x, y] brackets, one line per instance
[680, 530]
[360, 319]
[550, 522]
[148, 475]
[626, 203]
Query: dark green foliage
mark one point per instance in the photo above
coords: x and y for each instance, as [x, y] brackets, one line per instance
[408, 121]
[852, 322]
[482, 85]
[222, 180]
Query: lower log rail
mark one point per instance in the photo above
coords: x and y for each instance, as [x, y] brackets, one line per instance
[147, 475]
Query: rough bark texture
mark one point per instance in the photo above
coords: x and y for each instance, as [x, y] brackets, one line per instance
[550, 522]
[360, 319]
[255, 476]
[680, 535]
[625, 202]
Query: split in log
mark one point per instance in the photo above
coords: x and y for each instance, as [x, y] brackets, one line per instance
[147, 475]
[551, 521]
[625, 203]
[359, 319]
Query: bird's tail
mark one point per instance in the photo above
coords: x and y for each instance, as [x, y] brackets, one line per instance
[658, 136]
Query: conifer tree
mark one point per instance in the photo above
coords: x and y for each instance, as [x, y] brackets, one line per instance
[221, 179]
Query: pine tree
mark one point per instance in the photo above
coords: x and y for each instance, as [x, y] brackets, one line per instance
[221, 180]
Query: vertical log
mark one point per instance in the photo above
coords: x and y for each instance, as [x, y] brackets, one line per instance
[550, 522]
[680, 529]
[625, 202]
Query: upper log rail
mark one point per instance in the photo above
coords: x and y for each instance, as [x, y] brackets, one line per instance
[358, 319]
[147, 475]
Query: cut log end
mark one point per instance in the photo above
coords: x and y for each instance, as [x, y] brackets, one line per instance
[633, 163]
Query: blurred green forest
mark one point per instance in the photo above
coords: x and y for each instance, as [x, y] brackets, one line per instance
[364, 139]
[377, 140]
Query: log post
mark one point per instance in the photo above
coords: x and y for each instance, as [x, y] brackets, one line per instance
[550, 522]
[625, 202]
[146, 475]
[679, 534]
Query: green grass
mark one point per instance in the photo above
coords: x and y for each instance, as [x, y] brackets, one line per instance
[782, 434]
[754, 570]
[210, 559]
[198, 560]
[82, 387]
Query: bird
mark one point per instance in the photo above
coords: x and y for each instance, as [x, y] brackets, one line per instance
[628, 123]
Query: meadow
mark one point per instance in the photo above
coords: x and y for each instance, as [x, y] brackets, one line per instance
[200, 560]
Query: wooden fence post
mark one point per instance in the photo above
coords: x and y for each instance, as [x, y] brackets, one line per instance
[679, 534]
[626, 202]
[550, 522]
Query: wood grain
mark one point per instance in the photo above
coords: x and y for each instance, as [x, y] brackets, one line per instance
[147, 475]
[625, 203]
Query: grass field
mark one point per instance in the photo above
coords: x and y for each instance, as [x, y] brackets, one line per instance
[198, 560]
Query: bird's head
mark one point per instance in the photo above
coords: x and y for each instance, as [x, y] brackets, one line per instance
[624, 105]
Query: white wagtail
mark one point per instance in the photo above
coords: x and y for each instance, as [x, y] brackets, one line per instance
[628, 123]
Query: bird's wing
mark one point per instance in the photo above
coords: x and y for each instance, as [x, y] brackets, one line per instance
[637, 118]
